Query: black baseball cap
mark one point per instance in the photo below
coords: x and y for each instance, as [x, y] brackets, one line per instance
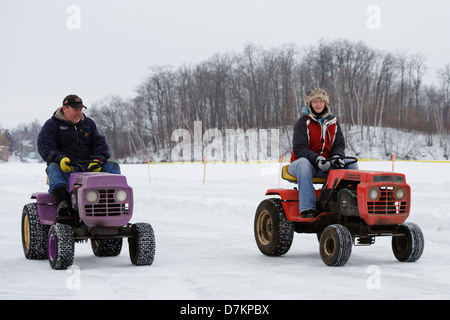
[73, 101]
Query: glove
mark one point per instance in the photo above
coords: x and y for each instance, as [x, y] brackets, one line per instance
[64, 165]
[337, 163]
[92, 164]
[322, 164]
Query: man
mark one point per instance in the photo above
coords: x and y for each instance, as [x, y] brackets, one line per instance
[317, 136]
[71, 136]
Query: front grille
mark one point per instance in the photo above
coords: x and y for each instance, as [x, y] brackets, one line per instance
[386, 203]
[106, 205]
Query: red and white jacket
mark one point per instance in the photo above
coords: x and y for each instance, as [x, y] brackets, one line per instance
[313, 138]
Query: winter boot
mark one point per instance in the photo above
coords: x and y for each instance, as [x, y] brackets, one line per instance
[62, 199]
[309, 213]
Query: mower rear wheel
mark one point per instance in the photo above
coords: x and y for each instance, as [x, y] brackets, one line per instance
[34, 234]
[106, 247]
[273, 232]
[409, 247]
[335, 245]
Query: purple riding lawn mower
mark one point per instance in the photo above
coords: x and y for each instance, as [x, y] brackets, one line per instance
[102, 206]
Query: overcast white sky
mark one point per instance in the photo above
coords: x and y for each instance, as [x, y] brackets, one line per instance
[42, 59]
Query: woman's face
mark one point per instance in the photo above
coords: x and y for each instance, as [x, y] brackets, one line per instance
[318, 105]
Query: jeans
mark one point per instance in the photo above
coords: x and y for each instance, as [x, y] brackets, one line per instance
[57, 178]
[305, 171]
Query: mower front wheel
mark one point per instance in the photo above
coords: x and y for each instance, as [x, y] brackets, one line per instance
[61, 246]
[142, 244]
[409, 247]
[335, 245]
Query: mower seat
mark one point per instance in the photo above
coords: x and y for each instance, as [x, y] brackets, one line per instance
[287, 176]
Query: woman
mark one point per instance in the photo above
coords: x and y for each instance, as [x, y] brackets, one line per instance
[317, 136]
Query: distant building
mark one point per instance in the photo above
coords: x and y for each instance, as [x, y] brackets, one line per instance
[4, 147]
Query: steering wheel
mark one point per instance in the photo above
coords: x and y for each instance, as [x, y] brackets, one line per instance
[352, 161]
[78, 165]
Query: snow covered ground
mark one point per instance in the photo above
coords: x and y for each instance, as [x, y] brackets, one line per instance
[205, 247]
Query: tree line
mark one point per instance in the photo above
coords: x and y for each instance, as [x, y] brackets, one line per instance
[265, 88]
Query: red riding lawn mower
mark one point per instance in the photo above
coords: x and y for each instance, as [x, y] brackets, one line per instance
[354, 206]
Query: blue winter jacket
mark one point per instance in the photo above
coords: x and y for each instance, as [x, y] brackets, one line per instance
[59, 138]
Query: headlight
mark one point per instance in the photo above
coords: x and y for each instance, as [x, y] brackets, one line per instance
[91, 196]
[374, 194]
[121, 196]
[399, 193]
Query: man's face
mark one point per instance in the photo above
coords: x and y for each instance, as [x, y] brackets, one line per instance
[318, 105]
[73, 115]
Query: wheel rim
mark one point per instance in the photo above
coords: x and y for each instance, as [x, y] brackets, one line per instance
[265, 228]
[329, 246]
[51, 247]
[401, 244]
[26, 232]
